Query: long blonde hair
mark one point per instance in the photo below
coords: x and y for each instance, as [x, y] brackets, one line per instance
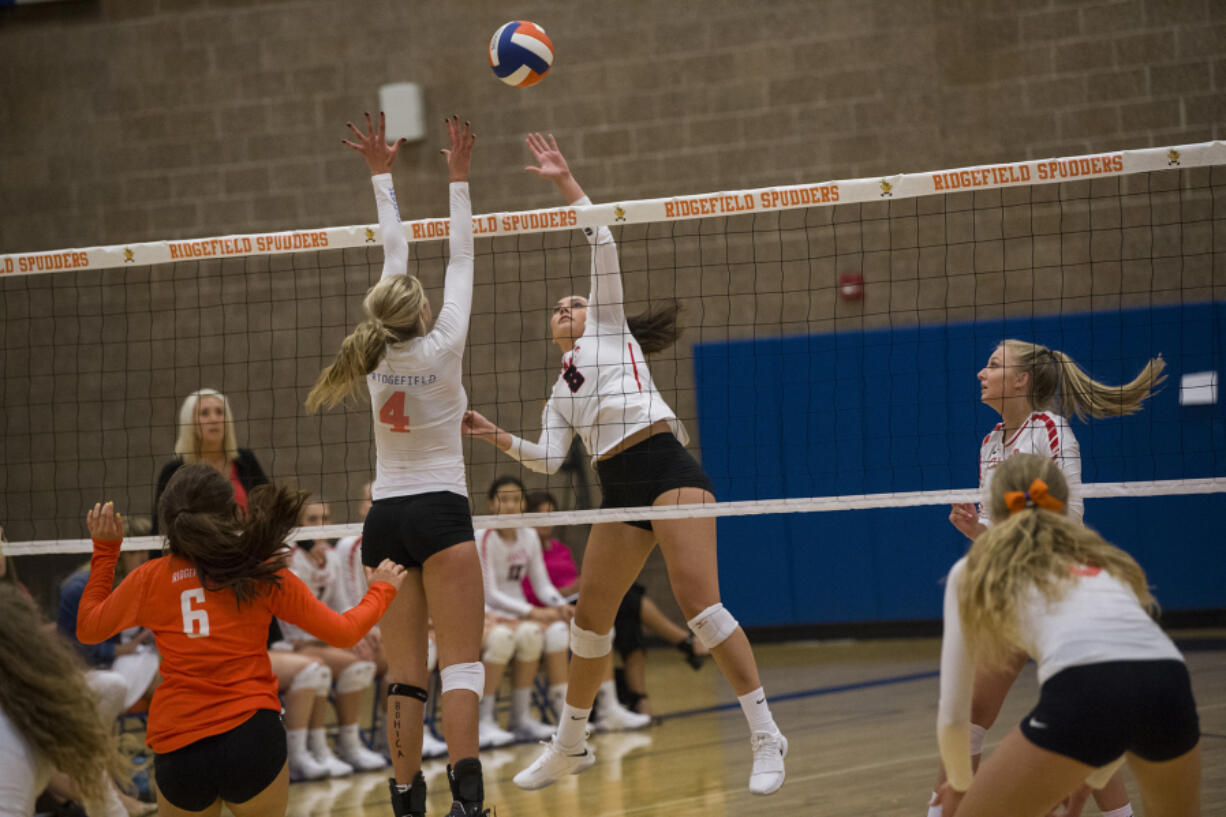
[1031, 548]
[44, 694]
[187, 445]
[1058, 384]
[393, 310]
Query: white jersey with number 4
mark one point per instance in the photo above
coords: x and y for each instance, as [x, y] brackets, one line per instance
[416, 394]
[1045, 434]
[605, 392]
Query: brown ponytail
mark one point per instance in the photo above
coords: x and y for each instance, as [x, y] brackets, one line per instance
[658, 328]
[203, 524]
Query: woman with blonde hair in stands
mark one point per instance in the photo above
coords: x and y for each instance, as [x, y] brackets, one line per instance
[206, 435]
[1035, 389]
[420, 516]
[1113, 687]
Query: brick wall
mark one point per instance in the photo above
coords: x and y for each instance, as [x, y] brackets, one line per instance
[132, 121]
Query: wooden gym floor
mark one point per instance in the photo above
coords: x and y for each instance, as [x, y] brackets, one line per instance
[859, 717]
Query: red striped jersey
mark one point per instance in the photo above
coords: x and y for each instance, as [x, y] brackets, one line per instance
[604, 392]
[1043, 433]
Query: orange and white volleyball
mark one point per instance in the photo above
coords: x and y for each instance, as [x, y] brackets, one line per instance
[521, 53]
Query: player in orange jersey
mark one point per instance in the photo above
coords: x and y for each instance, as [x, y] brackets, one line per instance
[214, 723]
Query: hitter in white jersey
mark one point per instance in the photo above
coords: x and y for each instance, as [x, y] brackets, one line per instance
[605, 395]
[1112, 685]
[1034, 389]
[420, 516]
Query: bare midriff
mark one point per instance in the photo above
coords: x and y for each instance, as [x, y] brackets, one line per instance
[658, 427]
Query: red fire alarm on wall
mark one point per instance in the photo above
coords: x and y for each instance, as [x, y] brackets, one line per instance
[851, 286]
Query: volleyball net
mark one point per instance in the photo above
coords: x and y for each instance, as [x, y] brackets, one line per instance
[832, 336]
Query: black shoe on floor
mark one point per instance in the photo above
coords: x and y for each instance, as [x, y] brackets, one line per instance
[686, 646]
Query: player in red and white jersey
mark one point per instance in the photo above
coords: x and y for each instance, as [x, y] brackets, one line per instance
[1034, 389]
[214, 722]
[420, 516]
[605, 394]
[1113, 687]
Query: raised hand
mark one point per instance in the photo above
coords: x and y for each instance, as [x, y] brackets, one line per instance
[104, 524]
[965, 517]
[551, 164]
[460, 154]
[373, 146]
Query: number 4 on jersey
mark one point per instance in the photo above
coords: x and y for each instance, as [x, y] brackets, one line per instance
[392, 413]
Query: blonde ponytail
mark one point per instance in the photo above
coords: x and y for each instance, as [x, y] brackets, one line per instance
[393, 310]
[1058, 384]
[1033, 548]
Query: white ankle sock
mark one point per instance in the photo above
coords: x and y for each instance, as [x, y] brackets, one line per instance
[521, 701]
[1123, 811]
[317, 742]
[296, 742]
[348, 736]
[606, 696]
[487, 708]
[572, 726]
[757, 711]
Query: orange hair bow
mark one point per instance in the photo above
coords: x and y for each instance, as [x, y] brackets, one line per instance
[1036, 496]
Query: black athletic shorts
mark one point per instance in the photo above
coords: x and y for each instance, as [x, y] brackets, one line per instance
[1095, 713]
[410, 529]
[628, 624]
[234, 766]
[644, 471]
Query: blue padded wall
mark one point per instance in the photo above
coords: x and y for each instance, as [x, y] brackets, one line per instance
[898, 410]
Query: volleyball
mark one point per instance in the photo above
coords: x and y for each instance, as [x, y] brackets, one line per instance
[520, 53]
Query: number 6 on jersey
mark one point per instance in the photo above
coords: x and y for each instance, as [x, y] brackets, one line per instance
[195, 622]
[392, 413]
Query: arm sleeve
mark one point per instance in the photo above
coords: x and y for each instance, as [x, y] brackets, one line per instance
[538, 575]
[104, 612]
[547, 454]
[495, 599]
[605, 304]
[294, 603]
[391, 230]
[452, 322]
[957, 684]
[1069, 460]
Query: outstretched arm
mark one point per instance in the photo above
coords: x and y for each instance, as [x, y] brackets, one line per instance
[452, 322]
[544, 456]
[104, 612]
[957, 684]
[294, 602]
[380, 156]
[605, 301]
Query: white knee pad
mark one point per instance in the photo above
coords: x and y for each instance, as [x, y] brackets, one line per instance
[713, 625]
[316, 676]
[587, 644]
[499, 645]
[356, 676]
[557, 637]
[470, 676]
[529, 642]
[431, 655]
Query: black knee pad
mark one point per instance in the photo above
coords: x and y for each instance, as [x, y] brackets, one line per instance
[408, 691]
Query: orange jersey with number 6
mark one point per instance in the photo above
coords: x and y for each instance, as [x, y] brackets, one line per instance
[214, 652]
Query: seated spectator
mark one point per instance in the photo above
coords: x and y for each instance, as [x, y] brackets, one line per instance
[318, 565]
[206, 435]
[516, 629]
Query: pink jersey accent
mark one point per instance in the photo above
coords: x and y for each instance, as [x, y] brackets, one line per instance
[561, 568]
